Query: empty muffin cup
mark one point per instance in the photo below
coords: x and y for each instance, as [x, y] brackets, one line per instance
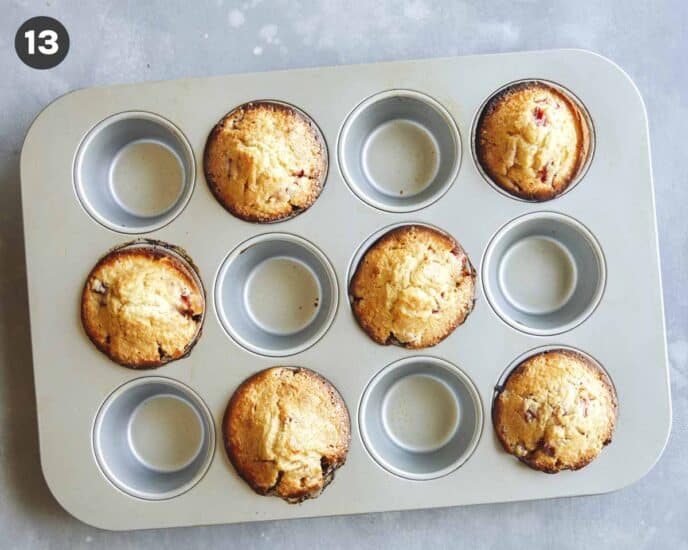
[154, 438]
[399, 150]
[420, 418]
[276, 294]
[134, 172]
[544, 273]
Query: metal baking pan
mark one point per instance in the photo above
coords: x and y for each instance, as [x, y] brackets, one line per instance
[606, 222]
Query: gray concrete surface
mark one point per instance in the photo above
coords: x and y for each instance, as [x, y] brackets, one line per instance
[116, 42]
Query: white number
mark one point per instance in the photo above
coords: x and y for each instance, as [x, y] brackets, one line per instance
[49, 45]
[31, 38]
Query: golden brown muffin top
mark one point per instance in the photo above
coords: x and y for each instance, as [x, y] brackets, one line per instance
[286, 431]
[556, 411]
[532, 140]
[413, 287]
[142, 307]
[265, 162]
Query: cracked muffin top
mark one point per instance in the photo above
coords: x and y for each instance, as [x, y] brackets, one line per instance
[142, 307]
[412, 287]
[286, 431]
[265, 162]
[532, 140]
[556, 411]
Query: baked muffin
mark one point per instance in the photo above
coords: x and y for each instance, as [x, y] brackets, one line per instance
[286, 431]
[413, 287]
[265, 162]
[532, 140]
[142, 307]
[556, 411]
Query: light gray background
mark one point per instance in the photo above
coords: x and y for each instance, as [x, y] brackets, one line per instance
[117, 42]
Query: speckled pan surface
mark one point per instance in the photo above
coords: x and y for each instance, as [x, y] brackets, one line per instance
[614, 201]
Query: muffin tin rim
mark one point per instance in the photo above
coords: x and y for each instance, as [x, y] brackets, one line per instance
[455, 371]
[174, 211]
[207, 420]
[599, 254]
[426, 98]
[585, 115]
[579, 59]
[239, 249]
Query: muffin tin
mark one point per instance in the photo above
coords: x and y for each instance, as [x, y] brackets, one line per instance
[421, 430]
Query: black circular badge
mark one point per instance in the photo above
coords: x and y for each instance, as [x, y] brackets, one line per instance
[42, 42]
